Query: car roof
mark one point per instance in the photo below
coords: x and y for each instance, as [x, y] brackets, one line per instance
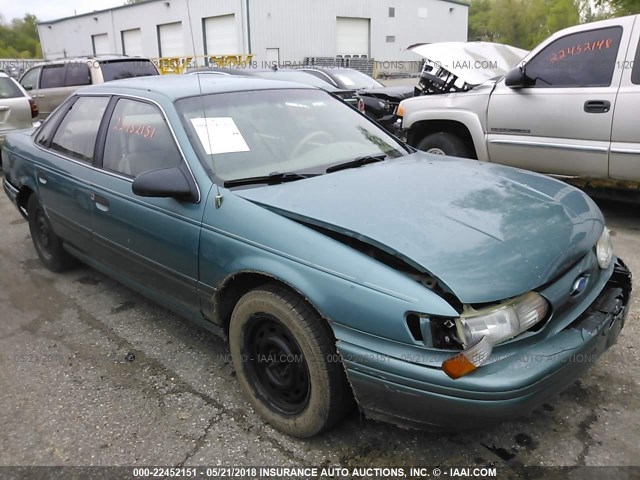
[181, 86]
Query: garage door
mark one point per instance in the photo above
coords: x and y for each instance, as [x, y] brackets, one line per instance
[101, 44]
[132, 42]
[352, 36]
[221, 35]
[170, 40]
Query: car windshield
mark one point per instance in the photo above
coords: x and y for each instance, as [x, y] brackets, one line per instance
[355, 80]
[261, 132]
[119, 69]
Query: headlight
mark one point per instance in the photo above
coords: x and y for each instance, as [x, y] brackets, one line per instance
[604, 249]
[502, 322]
[483, 329]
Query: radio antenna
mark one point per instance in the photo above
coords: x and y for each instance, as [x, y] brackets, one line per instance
[219, 197]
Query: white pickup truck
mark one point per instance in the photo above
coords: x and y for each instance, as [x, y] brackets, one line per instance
[570, 108]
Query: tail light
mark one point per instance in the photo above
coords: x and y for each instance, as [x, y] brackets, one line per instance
[34, 108]
[360, 105]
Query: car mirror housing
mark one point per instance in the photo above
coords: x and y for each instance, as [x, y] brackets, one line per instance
[163, 183]
[517, 78]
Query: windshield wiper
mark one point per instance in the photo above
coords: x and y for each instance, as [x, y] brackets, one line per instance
[271, 179]
[357, 162]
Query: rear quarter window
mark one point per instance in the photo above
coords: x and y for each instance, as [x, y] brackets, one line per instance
[119, 69]
[9, 89]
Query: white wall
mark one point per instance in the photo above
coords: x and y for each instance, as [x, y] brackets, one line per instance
[299, 28]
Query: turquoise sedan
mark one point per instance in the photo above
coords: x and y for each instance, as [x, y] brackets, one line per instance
[343, 267]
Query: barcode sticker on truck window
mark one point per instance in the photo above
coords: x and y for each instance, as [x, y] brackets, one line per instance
[219, 135]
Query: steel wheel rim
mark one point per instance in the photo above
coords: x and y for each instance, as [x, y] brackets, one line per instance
[275, 365]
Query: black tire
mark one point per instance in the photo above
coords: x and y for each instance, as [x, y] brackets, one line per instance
[444, 143]
[286, 362]
[48, 245]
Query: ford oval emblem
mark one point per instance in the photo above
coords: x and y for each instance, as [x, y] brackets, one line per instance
[580, 285]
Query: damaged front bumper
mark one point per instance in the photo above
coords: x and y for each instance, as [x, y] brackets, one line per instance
[413, 395]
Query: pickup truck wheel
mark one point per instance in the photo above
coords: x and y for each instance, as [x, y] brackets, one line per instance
[48, 245]
[286, 362]
[444, 143]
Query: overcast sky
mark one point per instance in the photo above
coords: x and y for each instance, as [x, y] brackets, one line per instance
[51, 9]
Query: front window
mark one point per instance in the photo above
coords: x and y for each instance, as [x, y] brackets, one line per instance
[582, 59]
[256, 133]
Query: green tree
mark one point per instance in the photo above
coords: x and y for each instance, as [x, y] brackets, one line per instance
[620, 7]
[522, 23]
[19, 39]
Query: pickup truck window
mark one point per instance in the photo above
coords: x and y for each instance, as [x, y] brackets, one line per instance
[138, 140]
[583, 59]
[76, 135]
[635, 73]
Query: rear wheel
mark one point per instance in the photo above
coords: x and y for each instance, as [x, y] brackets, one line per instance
[444, 143]
[48, 245]
[285, 360]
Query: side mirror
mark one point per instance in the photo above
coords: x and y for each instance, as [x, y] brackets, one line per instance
[28, 87]
[517, 78]
[163, 183]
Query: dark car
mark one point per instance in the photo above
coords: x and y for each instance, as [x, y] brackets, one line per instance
[341, 265]
[290, 75]
[380, 102]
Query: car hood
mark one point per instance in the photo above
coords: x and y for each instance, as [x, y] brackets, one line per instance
[487, 232]
[394, 94]
[472, 62]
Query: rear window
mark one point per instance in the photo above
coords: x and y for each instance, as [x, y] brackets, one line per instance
[8, 88]
[119, 69]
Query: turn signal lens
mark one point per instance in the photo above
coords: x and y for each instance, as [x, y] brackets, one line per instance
[400, 110]
[469, 360]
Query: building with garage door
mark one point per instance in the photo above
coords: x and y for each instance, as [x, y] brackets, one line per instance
[270, 30]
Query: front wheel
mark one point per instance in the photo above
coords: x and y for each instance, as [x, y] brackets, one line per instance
[444, 143]
[48, 245]
[286, 362]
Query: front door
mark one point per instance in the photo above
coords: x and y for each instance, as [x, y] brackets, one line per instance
[153, 241]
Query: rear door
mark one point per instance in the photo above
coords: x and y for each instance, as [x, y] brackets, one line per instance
[64, 171]
[15, 110]
[624, 162]
[562, 124]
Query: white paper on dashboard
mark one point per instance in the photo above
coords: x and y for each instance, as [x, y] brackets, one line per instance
[219, 135]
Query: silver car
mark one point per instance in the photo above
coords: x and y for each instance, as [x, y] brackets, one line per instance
[17, 108]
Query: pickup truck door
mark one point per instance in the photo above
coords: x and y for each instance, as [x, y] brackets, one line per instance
[562, 123]
[150, 242]
[624, 162]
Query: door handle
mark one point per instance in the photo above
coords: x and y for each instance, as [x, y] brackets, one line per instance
[42, 178]
[3, 108]
[102, 203]
[597, 106]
